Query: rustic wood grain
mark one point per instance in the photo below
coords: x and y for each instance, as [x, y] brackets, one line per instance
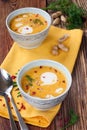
[81, 3]
[77, 97]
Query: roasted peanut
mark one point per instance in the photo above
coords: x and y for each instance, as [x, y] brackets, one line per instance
[56, 21]
[63, 38]
[59, 13]
[55, 47]
[63, 18]
[63, 47]
[54, 15]
[54, 52]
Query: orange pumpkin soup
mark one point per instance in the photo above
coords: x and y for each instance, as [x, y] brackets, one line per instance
[28, 23]
[44, 82]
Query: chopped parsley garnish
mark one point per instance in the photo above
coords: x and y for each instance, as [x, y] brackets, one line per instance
[30, 79]
[38, 21]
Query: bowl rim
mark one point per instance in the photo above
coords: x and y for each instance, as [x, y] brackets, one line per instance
[7, 25]
[43, 99]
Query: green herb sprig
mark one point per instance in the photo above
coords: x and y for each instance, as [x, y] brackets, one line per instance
[30, 79]
[19, 94]
[75, 15]
[59, 5]
[71, 10]
[73, 119]
[14, 84]
[38, 21]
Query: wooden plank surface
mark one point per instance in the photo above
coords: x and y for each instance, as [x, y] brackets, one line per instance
[77, 97]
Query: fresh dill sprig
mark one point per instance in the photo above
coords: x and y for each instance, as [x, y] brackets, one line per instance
[19, 94]
[14, 84]
[30, 79]
[73, 119]
[73, 12]
[38, 21]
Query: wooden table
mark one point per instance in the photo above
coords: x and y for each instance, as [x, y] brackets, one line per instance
[77, 97]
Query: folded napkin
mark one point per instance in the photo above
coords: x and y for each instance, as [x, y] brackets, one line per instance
[17, 57]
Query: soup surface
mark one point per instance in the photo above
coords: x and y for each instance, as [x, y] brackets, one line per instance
[28, 23]
[44, 82]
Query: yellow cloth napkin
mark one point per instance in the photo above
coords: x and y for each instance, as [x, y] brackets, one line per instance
[17, 57]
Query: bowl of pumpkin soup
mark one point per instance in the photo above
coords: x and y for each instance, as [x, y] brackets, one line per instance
[44, 83]
[28, 26]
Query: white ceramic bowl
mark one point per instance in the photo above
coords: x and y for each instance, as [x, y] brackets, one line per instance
[39, 103]
[32, 40]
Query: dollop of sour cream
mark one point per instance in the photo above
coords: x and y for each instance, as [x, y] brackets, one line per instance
[18, 19]
[25, 30]
[59, 90]
[18, 24]
[49, 96]
[48, 78]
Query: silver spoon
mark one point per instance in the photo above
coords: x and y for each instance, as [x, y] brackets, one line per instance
[6, 85]
[12, 122]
